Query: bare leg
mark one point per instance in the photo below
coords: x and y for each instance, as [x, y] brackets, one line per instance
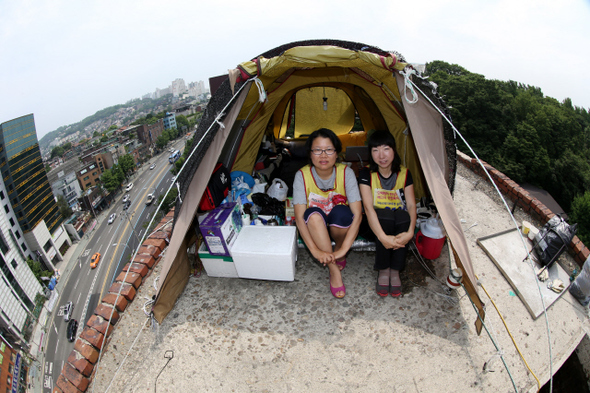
[338, 234]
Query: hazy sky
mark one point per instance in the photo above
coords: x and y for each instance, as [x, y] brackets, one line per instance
[65, 60]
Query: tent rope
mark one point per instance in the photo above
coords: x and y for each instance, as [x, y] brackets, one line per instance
[409, 85]
[498, 351]
[261, 91]
[529, 259]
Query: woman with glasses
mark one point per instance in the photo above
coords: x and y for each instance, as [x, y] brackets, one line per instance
[387, 190]
[327, 205]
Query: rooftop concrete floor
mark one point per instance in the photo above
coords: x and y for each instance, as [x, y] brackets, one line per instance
[237, 335]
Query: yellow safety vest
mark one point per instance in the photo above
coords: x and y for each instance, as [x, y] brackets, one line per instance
[327, 199]
[389, 199]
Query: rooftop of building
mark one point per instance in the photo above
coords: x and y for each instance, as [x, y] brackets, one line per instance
[227, 334]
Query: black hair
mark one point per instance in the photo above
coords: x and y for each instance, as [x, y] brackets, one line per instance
[324, 133]
[383, 138]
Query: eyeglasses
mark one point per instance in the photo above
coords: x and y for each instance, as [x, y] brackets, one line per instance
[329, 151]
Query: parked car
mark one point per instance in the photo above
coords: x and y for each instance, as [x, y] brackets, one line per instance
[125, 198]
[152, 166]
[94, 260]
[68, 309]
[72, 330]
[150, 199]
[129, 187]
[112, 218]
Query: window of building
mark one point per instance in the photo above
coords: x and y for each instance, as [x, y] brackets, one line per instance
[6, 209]
[14, 263]
[24, 246]
[47, 246]
[86, 178]
[10, 187]
[11, 221]
[3, 243]
[88, 185]
[1, 195]
[17, 233]
[20, 214]
[14, 202]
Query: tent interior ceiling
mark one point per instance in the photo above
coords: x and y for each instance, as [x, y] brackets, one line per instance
[355, 81]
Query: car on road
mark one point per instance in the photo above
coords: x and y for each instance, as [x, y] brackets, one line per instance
[112, 218]
[126, 205]
[152, 166]
[150, 199]
[173, 179]
[94, 260]
[129, 187]
[68, 309]
[125, 198]
[72, 330]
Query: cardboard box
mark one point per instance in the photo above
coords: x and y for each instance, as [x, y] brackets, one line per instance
[216, 265]
[220, 229]
[266, 252]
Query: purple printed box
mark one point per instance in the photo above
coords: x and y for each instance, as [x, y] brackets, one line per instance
[220, 228]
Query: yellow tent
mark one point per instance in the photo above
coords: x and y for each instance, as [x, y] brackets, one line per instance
[290, 91]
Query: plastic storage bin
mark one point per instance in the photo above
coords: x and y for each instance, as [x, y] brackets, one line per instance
[217, 265]
[266, 252]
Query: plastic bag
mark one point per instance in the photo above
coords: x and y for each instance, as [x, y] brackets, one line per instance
[278, 190]
[269, 206]
[553, 239]
[580, 288]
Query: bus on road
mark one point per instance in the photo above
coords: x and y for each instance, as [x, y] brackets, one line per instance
[174, 156]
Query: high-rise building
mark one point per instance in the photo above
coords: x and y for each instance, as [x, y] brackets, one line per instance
[30, 225]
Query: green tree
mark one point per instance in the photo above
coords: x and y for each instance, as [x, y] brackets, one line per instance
[104, 138]
[47, 168]
[67, 146]
[580, 214]
[57, 151]
[181, 120]
[64, 208]
[118, 173]
[37, 270]
[110, 181]
[162, 141]
[127, 164]
[169, 201]
[112, 127]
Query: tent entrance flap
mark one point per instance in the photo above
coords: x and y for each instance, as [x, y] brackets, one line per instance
[175, 278]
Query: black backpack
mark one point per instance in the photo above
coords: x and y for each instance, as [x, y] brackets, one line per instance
[552, 239]
[217, 189]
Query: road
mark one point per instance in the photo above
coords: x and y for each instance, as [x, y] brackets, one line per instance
[116, 243]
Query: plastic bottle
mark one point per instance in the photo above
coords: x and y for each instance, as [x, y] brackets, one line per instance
[580, 288]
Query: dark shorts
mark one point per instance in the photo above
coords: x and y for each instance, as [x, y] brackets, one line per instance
[341, 216]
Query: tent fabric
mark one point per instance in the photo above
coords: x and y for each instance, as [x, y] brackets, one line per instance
[176, 269]
[358, 80]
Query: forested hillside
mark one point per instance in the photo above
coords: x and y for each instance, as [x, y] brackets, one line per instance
[526, 135]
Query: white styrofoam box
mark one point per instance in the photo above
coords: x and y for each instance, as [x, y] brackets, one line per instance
[217, 265]
[266, 252]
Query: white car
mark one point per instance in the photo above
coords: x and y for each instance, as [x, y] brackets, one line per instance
[125, 198]
[152, 166]
[129, 187]
[112, 218]
[150, 199]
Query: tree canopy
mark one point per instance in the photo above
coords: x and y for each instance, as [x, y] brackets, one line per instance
[515, 128]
